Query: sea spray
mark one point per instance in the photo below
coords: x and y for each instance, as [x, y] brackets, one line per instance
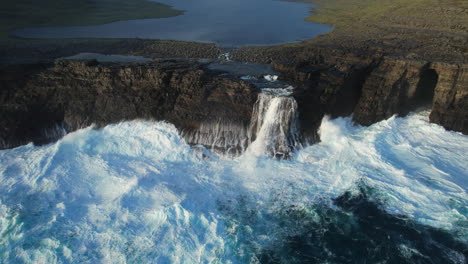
[222, 136]
[274, 126]
[273, 129]
[136, 192]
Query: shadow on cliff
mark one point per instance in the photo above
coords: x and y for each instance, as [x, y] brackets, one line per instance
[423, 94]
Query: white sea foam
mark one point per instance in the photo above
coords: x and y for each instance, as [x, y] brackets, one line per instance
[136, 192]
[287, 91]
[248, 78]
[271, 78]
[274, 124]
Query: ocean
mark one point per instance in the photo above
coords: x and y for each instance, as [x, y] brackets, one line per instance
[136, 192]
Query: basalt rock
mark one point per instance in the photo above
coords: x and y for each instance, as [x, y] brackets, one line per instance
[324, 89]
[371, 87]
[398, 86]
[40, 101]
[450, 104]
[394, 86]
[31, 51]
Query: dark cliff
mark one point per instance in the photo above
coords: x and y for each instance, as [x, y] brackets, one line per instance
[371, 86]
[38, 100]
[450, 104]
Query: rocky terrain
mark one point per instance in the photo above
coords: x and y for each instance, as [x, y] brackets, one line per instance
[383, 60]
[393, 56]
[40, 102]
[37, 101]
[427, 29]
[371, 86]
[34, 51]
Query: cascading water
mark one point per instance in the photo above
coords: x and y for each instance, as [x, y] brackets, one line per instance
[273, 129]
[136, 192]
[274, 126]
[222, 137]
[54, 133]
[225, 56]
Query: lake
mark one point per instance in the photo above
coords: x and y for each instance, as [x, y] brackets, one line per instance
[227, 23]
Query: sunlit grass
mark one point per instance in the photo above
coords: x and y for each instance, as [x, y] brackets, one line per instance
[451, 15]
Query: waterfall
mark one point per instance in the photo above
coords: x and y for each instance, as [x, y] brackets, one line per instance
[54, 133]
[274, 126]
[45, 135]
[225, 56]
[273, 129]
[222, 136]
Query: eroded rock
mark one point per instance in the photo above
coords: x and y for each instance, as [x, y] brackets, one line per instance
[77, 94]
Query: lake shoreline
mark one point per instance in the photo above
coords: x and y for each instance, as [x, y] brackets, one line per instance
[72, 13]
[224, 23]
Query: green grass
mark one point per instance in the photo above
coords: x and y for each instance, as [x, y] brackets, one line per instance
[449, 15]
[27, 13]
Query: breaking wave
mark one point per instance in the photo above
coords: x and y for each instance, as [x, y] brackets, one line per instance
[133, 192]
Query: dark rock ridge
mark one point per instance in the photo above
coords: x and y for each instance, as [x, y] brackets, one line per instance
[450, 104]
[40, 101]
[31, 51]
[371, 86]
[398, 86]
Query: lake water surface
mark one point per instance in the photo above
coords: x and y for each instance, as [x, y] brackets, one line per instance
[224, 22]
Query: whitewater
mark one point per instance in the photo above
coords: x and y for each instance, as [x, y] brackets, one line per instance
[136, 192]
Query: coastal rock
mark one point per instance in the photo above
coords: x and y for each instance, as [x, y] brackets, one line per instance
[323, 90]
[372, 87]
[394, 86]
[450, 105]
[398, 86]
[37, 99]
[41, 102]
[30, 51]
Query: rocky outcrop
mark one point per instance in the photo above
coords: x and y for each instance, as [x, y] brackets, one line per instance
[394, 86]
[398, 86]
[371, 87]
[215, 113]
[323, 89]
[450, 104]
[39, 101]
[31, 51]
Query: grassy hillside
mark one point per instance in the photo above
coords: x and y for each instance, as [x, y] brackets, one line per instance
[446, 15]
[26, 13]
[432, 29]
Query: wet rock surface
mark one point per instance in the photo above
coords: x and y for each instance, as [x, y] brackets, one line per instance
[450, 104]
[214, 107]
[371, 86]
[36, 99]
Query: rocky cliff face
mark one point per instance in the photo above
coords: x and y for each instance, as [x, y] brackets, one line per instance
[450, 104]
[39, 102]
[394, 86]
[323, 89]
[372, 87]
[397, 86]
